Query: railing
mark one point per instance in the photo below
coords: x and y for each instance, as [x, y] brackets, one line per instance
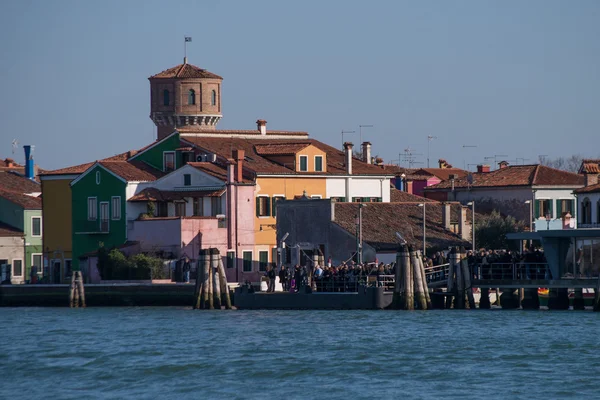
[512, 271]
[437, 273]
[590, 225]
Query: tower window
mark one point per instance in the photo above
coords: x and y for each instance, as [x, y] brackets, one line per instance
[191, 97]
[213, 99]
[166, 99]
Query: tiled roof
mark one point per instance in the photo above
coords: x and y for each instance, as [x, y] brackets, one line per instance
[398, 196]
[590, 166]
[153, 194]
[7, 230]
[81, 168]
[202, 130]
[279, 149]
[220, 171]
[13, 182]
[23, 200]
[588, 189]
[262, 165]
[516, 175]
[185, 71]
[443, 173]
[381, 221]
[133, 170]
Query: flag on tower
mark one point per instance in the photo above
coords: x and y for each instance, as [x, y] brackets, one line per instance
[188, 38]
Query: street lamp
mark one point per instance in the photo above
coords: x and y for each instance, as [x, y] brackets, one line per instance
[530, 214]
[472, 204]
[424, 233]
[403, 182]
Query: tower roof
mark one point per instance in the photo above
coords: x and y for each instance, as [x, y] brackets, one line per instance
[185, 71]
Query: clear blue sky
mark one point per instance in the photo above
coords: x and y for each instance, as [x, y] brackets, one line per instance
[520, 78]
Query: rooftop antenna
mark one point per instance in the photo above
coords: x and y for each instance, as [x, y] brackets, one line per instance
[360, 130]
[429, 139]
[409, 157]
[344, 132]
[15, 145]
[467, 146]
[186, 39]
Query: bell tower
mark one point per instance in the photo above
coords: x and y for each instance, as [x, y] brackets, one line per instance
[185, 95]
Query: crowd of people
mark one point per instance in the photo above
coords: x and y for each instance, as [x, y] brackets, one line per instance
[505, 264]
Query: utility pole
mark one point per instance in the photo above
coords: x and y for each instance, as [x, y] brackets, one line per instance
[429, 139]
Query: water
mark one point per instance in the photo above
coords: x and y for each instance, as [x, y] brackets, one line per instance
[177, 353]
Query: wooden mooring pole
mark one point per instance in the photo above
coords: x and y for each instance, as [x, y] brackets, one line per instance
[76, 291]
[398, 297]
[466, 273]
[597, 296]
[451, 285]
[199, 279]
[225, 298]
[425, 286]
[418, 280]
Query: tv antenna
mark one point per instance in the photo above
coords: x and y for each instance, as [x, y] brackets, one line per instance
[409, 157]
[429, 139]
[15, 144]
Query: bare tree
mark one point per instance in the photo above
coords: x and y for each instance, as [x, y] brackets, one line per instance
[570, 164]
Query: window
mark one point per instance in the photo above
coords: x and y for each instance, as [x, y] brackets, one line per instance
[92, 208]
[36, 226]
[316, 196]
[187, 180]
[586, 211]
[179, 209]
[198, 206]
[215, 206]
[191, 97]
[356, 199]
[17, 268]
[162, 209]
[247, 261]
[338, 199]
[169, 161]
[275, 200]
[104, 226]
[319, 163]
[213, 98]
[303, 163]
[563, 207]
[262, 206]
[543, 207]
[36, 261]
[230, 259]
[263, 260]
[116, 207]
[97, 177]
[166, 99]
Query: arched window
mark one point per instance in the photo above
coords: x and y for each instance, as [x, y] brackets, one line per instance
[191, 97]
[586, 211]
[213, 99]
[166, 97]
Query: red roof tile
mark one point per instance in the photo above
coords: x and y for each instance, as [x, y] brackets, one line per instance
[262, 165]
[279, 149]
[516, 175]
[133, 170]
[13, 182]
[588, 189]
[201, 129]
[398, 196]
[185, 71]
[220, 171]
[443, 173]
[7, 230]
[81, 168]
[23, 200]
[153, 194]
[590, 166]
[381, 221]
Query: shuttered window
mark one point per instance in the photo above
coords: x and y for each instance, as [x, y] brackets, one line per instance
[263, 208]
[263, 260]
[247, 261]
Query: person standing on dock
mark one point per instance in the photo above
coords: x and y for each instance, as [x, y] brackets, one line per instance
[271, 275]
[283, 278]
[186, 270]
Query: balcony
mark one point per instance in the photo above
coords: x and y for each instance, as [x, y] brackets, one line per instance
[593, 225]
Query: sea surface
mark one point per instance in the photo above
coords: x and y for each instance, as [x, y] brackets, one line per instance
[180, 353]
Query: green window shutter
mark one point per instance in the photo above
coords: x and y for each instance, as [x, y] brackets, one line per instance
[268, 204]
[258, 206]
[559, 209]
[537, 209]
[550, 203]
[273, 201]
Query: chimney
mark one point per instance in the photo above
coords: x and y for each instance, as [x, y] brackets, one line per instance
[590, 178]
[238, 156]
[366, 152]
[462, 224]
[442, 163]
[9, 162]
[483, 168]
[29, 173]
[446, 213]
[502, 164]
[262, 126]
[348, 150]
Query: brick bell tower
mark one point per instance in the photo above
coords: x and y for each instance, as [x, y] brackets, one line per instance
[185, 95]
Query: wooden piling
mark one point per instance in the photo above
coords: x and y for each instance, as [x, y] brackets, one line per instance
[464, 263]
[217, 287]
[425, 286]
[450, 286]
[72, 291]
[418, 280]
[81, 289]
[225, 298]
[205, 275]
[484, 299]
[578, 302]
[597, 296]
[409, 300]
[459, 300]
[397, 297]
[199, 279]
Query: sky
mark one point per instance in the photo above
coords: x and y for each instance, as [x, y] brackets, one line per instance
[516, 79]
